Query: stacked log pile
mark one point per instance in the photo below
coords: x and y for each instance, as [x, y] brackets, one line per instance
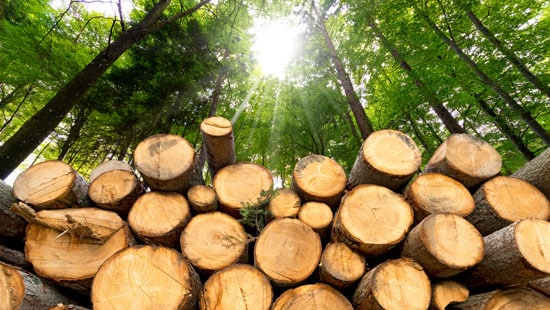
[388, 235]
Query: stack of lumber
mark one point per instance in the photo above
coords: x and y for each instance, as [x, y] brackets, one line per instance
[387, 235]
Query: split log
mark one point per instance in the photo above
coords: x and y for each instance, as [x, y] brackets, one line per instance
[21, 289]
[317, 296]
[114, 186]
[446, 293]
[317, 215]
[287, 251]
[504, 200]
[202, 198]
[319, 178]
[388, 158]
[214, 240]
[51, 185]
[242, 185]
[537, 172]
[465, 158]
[238, 286]
[217, 138]
[515, 254]
[394, 284]
[372, 219]
[165, 162]
[437, 193]
[517, 298]
[159, 218]
[11, 225]
[285, 203]
[340, 266]
[146, 277]
[444, 244]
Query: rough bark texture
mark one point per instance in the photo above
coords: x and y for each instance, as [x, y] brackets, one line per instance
[285, 203]
[312, 297]
[202, 198]
[542, 285]
[11, 226]
[217, 138]
[447, 292]
[517, 298]
[14, 258]
[537, 172]
[340, 266]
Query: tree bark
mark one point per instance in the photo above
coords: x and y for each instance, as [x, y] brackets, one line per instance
[537, 172]
[11, 226]
[340, 266]
[219, 145]
[509, 298]
[446, 293]
[312, 297]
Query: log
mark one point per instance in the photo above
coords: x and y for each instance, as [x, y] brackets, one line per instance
[388, 158]
[68, 307]
[285, 203]
[318, 215]
[466, 159]
[517, 298]
[239, 286]
[431, 193]
[444, 244]
[446, 293]
[372, 219]
[214, 240]
[242, 185]
[504, 200]
[20, 289]
[159, 218]
[394, 284]
[515, 254]
[319, 178]
[537, 172]
[14, 258]
[287, 251]
[542, 285]
[340, 266]
[11, 225]
[217, 138]
[202, 198]
[318, 296]
[165, 162]
[114, 186]
[51, 185]
[146, 277]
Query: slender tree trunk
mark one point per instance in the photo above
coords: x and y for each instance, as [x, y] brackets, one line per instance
[74, 132]
[39, 126]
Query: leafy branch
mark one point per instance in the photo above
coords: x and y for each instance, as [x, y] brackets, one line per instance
[256, 214]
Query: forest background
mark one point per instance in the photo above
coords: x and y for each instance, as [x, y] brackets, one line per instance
[84, 86]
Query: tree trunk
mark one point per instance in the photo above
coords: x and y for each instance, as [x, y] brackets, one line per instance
[394, 284]
[388, 215]
[388, 158]
[202, 198]
[312, 297]
[14, 258]
[446, 293]
[76, 127]
[285, 203]
[238, 286]
[508, 298]
[340, 266]
[317, 215]
[146, 277]
[217, 138]
[11, 226]
[537, 172]
[504, 200]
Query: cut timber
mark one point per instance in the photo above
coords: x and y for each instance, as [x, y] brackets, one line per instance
[146, 277]
[388, 158]
[516, 298]
[214, 240]
[51, 185]
[447, 292]
[504, 200]
[537, 172]
[394, 284]
[317, 296]
[444, 244]
[542, 285]
[241, 185]
[287, 251]
[11, 225]
[319, 178]
[238, 286]
[437, 193]
[165, 162]
[217, 137]
[372, 219]
[202, 198]
[285, 203]
[465, 158]
[159, 218]
[14, 258]
[317, 215]
[114, 186]
[20, 289]
[515, 254]
[340, 266]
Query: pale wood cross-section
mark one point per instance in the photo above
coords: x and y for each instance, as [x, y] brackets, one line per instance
[340, 266]
[516, 298]
[448, 292]
[202, 198]
[318, 215]
[318, 296]
[285, 203]
[107, 166]
[217, 137]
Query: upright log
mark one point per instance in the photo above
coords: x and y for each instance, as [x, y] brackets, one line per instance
[11, 225]
[318, 296]
[388, 158]
[285, 203]
[537, 172]
[340, 266]
[202, 198]
[446, 293]
[217, 137]
[517, 298]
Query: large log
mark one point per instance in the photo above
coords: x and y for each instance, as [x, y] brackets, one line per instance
[51, 185]
[202, 198]
[107, 166]
[11, 225]
[285, 203]
[317, 215]
[318, 296]
[146, 277]
[217, 138]
[14, 258]
[444, 244]
[517, 298]
[159, 218]
[238, 286]
[465, 158]
[537, 172]
[394, 284]
[319, 178]
[340, 266]
[504, 200]
[542, 285]
[165, 162]
[446, 293]
[372, 219]
[388, 158]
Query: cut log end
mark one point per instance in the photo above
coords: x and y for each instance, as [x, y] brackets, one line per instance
[285, 203]
[448, 292]
[202, 198]
[115, 190]
[517, 298]
[340, 266]
[312, 297]
[533, 243]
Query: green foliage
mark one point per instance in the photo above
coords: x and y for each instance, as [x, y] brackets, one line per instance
[256, 214]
